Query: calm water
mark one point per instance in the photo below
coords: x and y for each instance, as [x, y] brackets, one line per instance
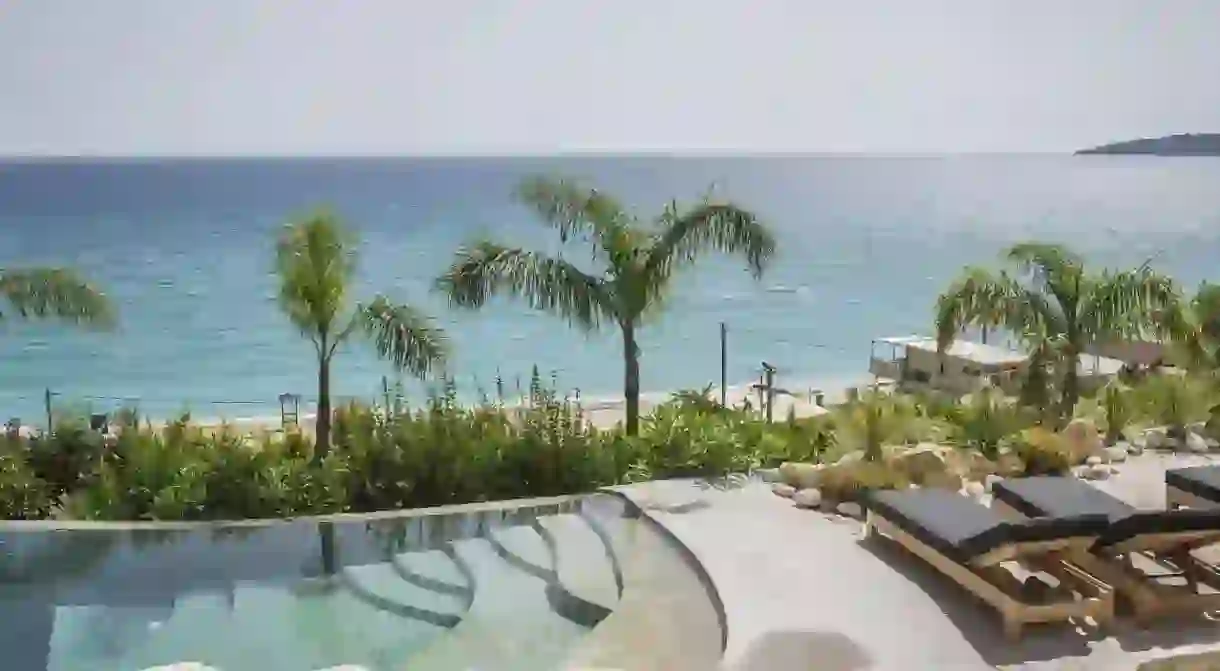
[185, 249]
[503, 590]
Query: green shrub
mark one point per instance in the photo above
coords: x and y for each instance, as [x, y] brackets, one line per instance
[851, 482]
[23, 495]
[1043, 452]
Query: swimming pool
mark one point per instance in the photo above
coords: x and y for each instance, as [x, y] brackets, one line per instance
[529, 585]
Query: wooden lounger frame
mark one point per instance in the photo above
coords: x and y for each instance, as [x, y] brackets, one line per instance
[984, 578]
[1150, 598]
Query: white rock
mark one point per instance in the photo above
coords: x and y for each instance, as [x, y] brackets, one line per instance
[850, 509]
[1118, 453]
[1155, 439]
[783, 490]
[1099, 472]
[974, 489]
[808, 498]
[1212, 444]
[990, 480]
[767, 474]
[1196, 443]
[1093, 461]
[1197, 427]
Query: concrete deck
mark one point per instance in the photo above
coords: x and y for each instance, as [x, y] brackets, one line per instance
[802, 590]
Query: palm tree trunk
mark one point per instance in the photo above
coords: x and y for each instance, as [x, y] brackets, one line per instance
[631, 379]
[1071, 390]
[322, 423]
[983, 334]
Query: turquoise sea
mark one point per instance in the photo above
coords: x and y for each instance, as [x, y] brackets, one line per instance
[185, 248]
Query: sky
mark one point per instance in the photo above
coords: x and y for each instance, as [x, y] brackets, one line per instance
[293, 77]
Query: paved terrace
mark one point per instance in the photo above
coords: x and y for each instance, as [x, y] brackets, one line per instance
[801, 590]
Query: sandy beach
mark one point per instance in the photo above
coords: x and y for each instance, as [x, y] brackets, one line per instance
[800, 398]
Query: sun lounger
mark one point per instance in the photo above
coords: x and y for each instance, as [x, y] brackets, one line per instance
[967, 542]
[1194, 487]
[1144, 554]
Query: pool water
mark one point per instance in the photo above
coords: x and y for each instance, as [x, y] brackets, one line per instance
[492, 589]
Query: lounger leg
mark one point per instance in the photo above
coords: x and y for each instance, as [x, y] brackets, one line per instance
[1012, 627]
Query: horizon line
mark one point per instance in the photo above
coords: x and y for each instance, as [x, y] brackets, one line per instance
[593, 153]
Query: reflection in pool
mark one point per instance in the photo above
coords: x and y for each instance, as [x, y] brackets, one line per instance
[497, 588]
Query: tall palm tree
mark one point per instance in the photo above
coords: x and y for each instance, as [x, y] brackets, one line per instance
[53, 293]
[316, 262]
[1049, 297]
[634, 263]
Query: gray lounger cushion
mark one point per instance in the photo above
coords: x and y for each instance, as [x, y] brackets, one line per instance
[1065, 497]
[1202, 481]
[963, 529]
[1052, 496]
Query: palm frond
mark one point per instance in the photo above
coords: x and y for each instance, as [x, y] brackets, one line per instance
[544, 283]
[718, 227]
[1044, 260]
[574, 210]
[990, 300]
[316, 263]
[1055, 271]
[1136, 304]
[403, 336]
[57, 293]
[1206, 306]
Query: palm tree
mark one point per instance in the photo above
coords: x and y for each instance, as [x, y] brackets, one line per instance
[316, 263]
[635, 263]
[1050, 298]
[53, 293]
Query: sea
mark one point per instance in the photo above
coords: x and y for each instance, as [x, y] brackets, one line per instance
[184, 247]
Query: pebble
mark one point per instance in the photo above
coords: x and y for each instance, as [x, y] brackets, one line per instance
[1093, 461]
[1118, 453]
[808, 498]
[1196, 443]
[783, 490]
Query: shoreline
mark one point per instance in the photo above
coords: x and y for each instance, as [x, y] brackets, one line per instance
[603, 412]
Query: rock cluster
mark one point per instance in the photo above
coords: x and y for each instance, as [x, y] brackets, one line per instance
[1191, 438]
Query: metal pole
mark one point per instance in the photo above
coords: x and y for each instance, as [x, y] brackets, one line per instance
[770, 383]
[47, 402]
[724, 365]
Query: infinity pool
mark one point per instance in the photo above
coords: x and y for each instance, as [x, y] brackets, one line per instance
[520, 585]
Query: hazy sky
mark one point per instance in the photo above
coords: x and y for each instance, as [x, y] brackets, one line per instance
[408, 76]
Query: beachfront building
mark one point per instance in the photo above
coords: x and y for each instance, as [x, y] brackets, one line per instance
[1142, 353]
[913, 362]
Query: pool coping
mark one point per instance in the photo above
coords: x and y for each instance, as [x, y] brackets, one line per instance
[186, 525]
[685, 552]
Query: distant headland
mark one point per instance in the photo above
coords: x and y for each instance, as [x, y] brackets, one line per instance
[1186, 144]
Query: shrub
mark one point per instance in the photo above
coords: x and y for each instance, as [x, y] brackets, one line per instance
[23, 495]
[851, 482]
[1117, 406]
[1043, 452]
[1173, 400]
[985, 422]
